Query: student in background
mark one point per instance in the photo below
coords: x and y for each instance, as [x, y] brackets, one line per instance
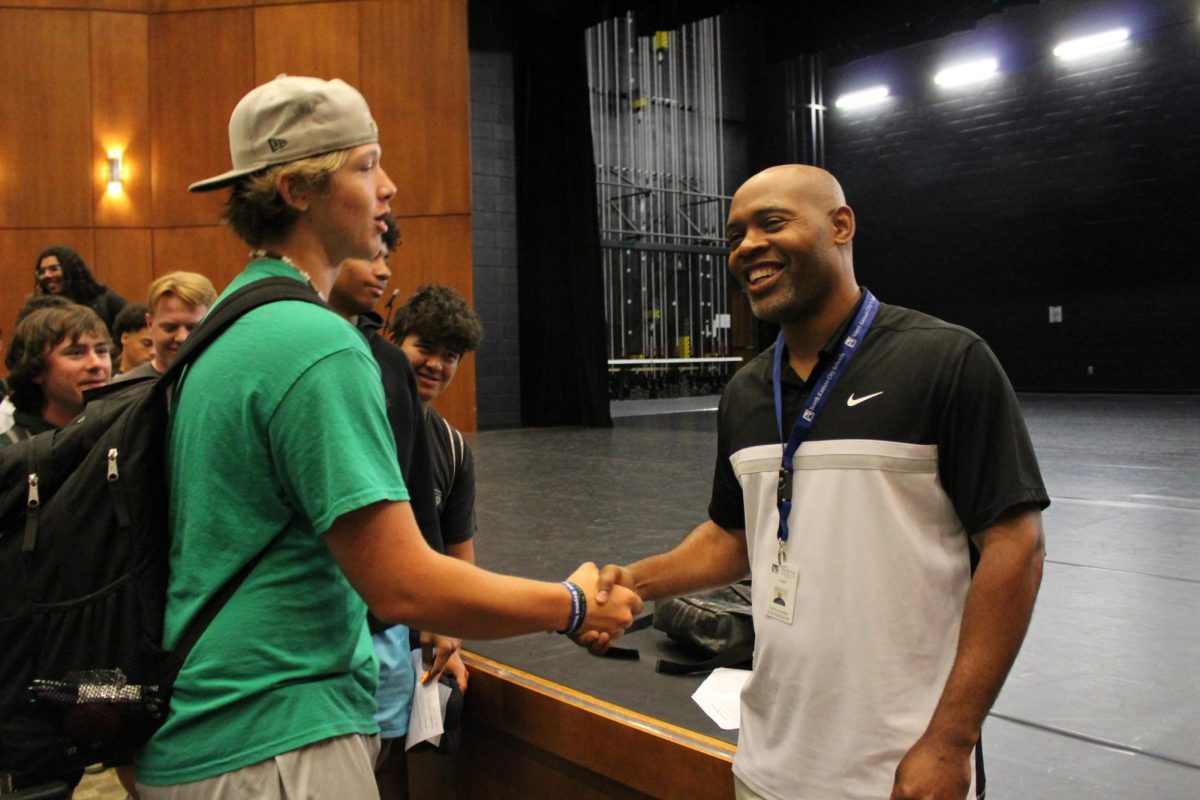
[33, 303]
[132, 336]
[39, 301]
[56, 355]
[435, 328]
[359, 286]
[61, 271]
[177, 303]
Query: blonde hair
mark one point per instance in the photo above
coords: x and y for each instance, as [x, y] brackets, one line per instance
[256, 210]
[190, 287]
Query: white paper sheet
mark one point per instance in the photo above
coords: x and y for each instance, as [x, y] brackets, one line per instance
[428, 709]
[720, 696]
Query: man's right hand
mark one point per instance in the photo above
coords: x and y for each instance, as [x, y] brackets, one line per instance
[612, 581]
[607, 620]
[612, 575]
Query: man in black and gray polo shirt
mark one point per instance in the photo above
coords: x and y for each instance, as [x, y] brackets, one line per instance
[894, 447]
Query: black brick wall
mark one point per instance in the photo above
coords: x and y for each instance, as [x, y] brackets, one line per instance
[1054, 184]
[494, 239]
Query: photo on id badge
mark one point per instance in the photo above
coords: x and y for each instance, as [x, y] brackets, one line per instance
[784, 578]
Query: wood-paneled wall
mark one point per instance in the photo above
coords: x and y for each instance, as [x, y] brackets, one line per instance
[157, 79]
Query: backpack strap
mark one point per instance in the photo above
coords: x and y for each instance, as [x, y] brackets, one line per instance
[665, 666]
[16, 433]
[457, 454]
[730, 658]
[228, 311]
[199, 623]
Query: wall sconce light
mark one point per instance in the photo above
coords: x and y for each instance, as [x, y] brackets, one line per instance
[116, 174]
[1096, 43]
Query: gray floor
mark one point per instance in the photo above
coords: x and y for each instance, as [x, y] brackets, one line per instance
[1104, 700]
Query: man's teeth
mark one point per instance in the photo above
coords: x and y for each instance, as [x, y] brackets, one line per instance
[758, 273]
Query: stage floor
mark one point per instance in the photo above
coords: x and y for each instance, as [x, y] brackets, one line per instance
[1104, 700]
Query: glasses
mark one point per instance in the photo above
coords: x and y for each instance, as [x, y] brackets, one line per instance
[40, 271]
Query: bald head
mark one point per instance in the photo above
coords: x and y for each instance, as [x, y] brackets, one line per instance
[790, 234]
[812, 183]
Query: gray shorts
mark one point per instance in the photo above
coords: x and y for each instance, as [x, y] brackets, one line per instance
[338, 767]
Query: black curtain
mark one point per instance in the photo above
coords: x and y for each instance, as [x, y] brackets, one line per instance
[564, 355]
[563, 337]
[564, 350]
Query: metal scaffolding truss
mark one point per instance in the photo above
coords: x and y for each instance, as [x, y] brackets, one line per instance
[657, 131]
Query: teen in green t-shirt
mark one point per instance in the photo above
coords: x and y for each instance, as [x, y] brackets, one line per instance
[279, 441]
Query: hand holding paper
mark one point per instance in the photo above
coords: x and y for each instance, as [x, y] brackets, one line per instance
[428, 707]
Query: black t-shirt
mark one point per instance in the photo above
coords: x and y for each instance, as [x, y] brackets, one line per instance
[408, 428]
[454, 479]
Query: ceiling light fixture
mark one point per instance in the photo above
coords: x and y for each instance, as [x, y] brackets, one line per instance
[1087, 45]
[863, 97]
[966, 72]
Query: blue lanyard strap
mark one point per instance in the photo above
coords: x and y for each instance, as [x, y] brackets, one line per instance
[816, 401]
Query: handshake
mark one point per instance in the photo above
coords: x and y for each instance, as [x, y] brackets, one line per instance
[607, 606]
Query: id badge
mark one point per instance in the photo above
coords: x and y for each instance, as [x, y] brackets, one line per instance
[783, 581]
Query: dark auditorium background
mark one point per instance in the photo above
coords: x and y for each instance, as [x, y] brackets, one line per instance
[1071, 187]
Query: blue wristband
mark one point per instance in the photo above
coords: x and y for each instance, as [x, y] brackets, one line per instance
[578, 609]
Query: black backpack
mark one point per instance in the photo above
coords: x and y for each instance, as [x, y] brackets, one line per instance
[717, 624]
[84, 543]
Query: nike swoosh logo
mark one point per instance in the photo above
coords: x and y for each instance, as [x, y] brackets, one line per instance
[853, 401]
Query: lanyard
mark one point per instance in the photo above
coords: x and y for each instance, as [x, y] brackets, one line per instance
[816, 401]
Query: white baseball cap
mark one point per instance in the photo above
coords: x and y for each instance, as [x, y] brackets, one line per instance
[292, 118]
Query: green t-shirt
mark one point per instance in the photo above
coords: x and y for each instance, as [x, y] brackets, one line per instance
[279, 429]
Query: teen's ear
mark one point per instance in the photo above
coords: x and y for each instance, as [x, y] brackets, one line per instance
[294, 191]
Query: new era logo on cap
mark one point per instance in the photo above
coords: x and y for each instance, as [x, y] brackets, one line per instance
[276, 144]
